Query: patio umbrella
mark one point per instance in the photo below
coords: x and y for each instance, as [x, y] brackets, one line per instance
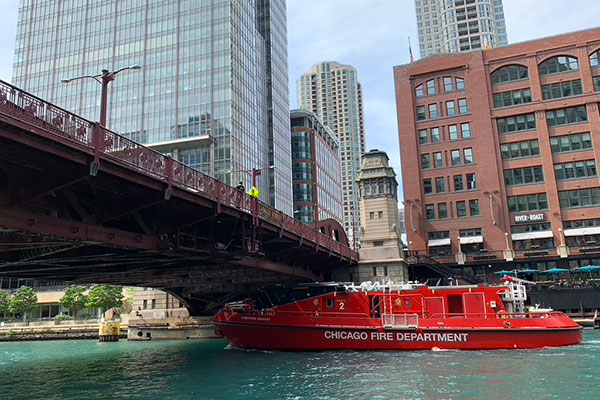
[588, 268]
[555, 271]
[505, 273]
[528, 271]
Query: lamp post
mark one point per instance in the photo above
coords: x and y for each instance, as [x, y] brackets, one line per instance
[103, 79]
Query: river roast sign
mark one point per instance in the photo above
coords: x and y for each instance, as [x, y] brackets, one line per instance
[522, 219]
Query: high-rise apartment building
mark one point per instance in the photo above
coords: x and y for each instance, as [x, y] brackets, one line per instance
[212, 91]
[333, 93]
[453, 26]
[500, 153]
[316, 169]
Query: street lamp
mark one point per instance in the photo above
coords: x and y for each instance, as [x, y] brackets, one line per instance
[103, 79]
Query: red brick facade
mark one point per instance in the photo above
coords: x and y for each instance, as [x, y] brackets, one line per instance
[528, 126]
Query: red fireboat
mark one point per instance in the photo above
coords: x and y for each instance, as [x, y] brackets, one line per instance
[412, 316]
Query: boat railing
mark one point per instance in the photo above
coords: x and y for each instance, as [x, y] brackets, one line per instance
[400, 320]
[497, 315]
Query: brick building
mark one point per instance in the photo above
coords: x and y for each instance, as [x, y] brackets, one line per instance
[499, 155]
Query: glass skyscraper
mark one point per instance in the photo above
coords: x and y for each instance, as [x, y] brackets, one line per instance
[212, 91]
[332, 91]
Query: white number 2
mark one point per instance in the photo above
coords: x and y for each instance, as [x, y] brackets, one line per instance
[342, 305]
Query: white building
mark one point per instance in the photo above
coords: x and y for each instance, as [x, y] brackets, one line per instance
[453, 26]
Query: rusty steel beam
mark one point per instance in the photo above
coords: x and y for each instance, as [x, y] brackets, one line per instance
[282, 269]
[11, 218]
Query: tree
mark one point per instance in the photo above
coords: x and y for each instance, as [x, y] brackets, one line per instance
[4, 302]
[74, 299]
[105, 297]
[24, 301]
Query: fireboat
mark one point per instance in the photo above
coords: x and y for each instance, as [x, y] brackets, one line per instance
[408, 316]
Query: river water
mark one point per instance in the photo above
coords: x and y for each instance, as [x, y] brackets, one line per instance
[209, 369]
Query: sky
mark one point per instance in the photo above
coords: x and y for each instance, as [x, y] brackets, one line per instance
[372, 36]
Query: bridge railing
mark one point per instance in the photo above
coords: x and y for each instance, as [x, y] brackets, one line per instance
[58, 121]
[35, 110]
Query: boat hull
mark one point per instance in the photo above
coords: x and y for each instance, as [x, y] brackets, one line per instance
[261, 337]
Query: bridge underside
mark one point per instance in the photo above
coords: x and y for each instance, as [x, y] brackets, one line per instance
[125, 227]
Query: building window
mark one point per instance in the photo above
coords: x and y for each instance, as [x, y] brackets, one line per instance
[512, 98]
[509, 73]
[595, 59]
[431, 87]
[458, 183]
[527, 202]
[450, 108]
[468, 153]
[527, 148]
[455, 155]
[582, 223]
[575, 170]
[442, 211]
[533, 244]
[448, 86]
[523, 176]
[516, 124]
[419, 92]
[562, 89]
[153, 304]
[433, 111]
[429, 212]
[453, 132]
[471, 182]
[461, 209]
[427, 186]
[379, 214]
[576, 142]
[474, 210]
[558, 65]
[378, 243]
[566, 116]
[463, 107]
[438, 161]
[421, 113]
[375, 271]
[465, 130]
[460, 84]
[435, 135]
[440, 185]
[597, 83]
[423, 136]
[145, 304]
[425, 161]
[579, 198]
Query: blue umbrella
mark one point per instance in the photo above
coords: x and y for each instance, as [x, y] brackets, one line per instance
[588, 268]
[555, 271]
[505, 273]
[528, 271]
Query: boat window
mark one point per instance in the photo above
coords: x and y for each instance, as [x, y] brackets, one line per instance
[330, 302]
[375, 302]
[455, 304]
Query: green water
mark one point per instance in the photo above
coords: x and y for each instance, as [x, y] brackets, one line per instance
[210, 370]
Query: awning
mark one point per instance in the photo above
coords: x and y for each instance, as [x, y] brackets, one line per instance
[471, 239]
[592, 230]
[532, 235]
[439, 242]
